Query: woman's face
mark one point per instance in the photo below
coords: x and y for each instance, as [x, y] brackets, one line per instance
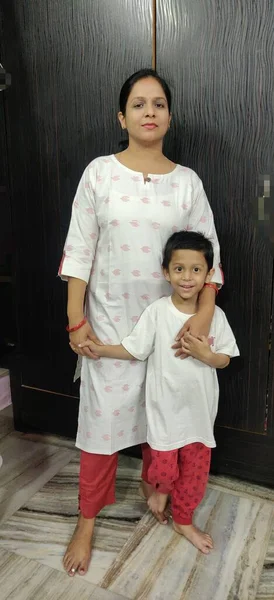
[147, 117]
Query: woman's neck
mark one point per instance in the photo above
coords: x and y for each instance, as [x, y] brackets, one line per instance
[145, 158]
[145, 152]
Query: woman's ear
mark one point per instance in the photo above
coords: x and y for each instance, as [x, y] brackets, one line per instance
[122, 120]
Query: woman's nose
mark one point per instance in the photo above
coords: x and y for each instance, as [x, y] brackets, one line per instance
[150, 111]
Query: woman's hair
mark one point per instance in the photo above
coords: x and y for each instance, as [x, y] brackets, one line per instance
[188, 240]
[128, 85]
[142, 74]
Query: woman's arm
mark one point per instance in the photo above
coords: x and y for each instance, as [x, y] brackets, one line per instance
[76, 297]
[75, 312]
[201, 220]
[200, 323]
[203, 318]
[78, 256]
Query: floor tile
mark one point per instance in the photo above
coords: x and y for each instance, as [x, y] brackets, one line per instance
[42, 528]
[27, 466]
[158, 563]
[24, 579]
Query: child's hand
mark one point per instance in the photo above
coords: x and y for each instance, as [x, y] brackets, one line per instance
[95, 348]
[198, 326]
[197, 347]
[76, 338]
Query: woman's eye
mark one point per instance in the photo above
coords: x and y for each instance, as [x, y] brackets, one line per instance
[160, 105]
[138, 105]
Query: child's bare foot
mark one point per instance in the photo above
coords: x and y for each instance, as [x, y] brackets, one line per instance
[199, 539]
[77, 556]
[145, 490]
[157, 503]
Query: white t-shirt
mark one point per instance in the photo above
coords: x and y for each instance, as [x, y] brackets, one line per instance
[181, 395]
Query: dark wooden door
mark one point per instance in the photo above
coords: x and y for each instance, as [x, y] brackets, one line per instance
[8, 328]
[68, 60]
[218, 57]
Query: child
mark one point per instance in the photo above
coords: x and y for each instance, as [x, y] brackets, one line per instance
[181, 396]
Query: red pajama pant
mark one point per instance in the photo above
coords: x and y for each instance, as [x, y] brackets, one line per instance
[183, 474]
[97, 480]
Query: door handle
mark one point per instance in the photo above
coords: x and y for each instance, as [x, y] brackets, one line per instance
[5, 79]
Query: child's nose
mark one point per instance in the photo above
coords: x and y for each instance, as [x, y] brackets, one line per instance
[187, 275]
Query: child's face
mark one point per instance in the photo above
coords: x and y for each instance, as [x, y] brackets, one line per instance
[188, 272]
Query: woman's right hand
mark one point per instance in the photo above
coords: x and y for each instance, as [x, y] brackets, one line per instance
[79, 337]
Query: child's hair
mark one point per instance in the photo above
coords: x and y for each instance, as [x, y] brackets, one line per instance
[188, 240]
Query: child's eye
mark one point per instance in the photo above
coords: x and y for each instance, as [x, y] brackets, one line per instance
[179, 269]
[196, 269]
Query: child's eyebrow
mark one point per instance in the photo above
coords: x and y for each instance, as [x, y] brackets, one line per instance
[182, 265]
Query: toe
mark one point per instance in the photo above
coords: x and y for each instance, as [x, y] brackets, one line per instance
[83, 567]
[68, 564]
[161, 518]
[71, 568]
[209, 542]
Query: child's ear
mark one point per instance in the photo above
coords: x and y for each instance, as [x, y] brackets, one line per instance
[166, 275]
[209, 275]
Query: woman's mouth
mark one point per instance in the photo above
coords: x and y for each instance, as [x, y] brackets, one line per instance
[149, 126]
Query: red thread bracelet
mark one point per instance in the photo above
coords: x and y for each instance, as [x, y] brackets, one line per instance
[76, 327]
[213, 286]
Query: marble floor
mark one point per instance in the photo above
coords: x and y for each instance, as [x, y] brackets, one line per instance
[133, 556]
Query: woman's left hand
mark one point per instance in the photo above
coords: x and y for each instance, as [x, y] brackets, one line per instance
[198, 326]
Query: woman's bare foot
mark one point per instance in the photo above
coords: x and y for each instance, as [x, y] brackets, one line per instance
[78, 552]
[199, 539]
[157, 503]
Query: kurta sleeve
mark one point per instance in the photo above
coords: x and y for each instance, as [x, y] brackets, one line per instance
[140, 342]
[80, 245]
[201, 220]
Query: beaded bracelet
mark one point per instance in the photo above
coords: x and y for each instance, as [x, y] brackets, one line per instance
[213, 286]
[76, 327]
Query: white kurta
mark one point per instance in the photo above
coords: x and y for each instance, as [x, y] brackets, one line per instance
[118, 229]
[181, 395]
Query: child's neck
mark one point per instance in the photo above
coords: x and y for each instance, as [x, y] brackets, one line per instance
[189, 306]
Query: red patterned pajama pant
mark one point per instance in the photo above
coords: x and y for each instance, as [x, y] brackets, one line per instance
[182, 473]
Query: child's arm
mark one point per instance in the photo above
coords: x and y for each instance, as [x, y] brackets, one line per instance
[108, 351]
[140, 341]
[199, 348]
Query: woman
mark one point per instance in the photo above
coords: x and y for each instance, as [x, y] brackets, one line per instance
[125, 208]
